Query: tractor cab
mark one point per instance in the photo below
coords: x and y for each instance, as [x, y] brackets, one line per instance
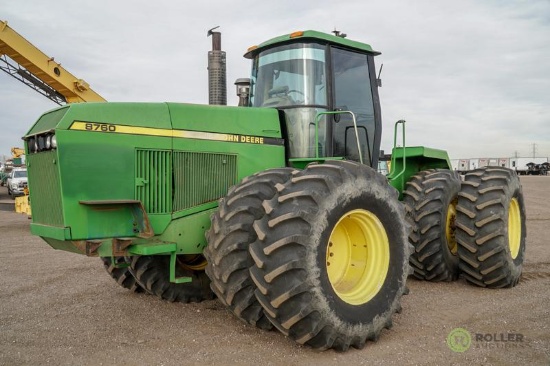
[325, 86]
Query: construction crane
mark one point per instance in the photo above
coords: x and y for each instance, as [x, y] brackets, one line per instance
[17, 152]
[23, 61]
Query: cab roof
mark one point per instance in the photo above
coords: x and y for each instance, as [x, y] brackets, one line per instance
[310, 35]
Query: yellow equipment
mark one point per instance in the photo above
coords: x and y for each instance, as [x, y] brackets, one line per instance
[16, 152]
[23, 61]
[39, 71]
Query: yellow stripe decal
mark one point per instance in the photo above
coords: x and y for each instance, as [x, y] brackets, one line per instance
[151, 131]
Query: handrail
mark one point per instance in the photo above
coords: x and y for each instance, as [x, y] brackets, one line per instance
[402, 122]
[354, 126]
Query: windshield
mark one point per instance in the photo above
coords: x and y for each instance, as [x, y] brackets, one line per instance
[289, 75]
[20, 174]
[292, 78]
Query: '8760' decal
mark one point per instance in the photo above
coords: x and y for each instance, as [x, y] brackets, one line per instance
[103, 127]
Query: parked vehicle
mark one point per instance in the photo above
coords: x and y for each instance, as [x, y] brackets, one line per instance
[526, 166]
[16, 182]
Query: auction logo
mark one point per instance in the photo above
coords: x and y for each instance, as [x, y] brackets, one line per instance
[459, 340]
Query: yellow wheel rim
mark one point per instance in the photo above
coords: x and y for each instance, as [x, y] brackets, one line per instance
[358, 257]
[450, 227]
[193, 262]
[514, 228]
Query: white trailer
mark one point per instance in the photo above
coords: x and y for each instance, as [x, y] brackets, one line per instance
[504, 162]
[463, 165]
[454, 164]
[483, 162]
[520, 164]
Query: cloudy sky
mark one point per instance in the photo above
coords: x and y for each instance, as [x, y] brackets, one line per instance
[470, 76]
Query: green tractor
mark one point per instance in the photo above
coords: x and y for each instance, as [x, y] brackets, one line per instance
[275, 207]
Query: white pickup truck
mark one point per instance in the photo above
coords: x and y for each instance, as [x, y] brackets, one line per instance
[17, 181]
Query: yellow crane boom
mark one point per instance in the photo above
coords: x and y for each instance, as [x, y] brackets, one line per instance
[39, 71]
[16, 152]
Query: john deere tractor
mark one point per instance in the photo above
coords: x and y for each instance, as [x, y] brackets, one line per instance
[274, 207]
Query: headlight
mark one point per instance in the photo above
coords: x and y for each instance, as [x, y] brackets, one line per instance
[14, 186]
[41, 143]
[32, 144]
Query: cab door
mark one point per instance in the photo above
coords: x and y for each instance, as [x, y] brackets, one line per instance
[354, 89]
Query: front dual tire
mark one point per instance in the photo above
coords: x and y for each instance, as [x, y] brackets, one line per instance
[331, 258]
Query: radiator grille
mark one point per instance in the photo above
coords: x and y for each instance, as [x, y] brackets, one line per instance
[202, 177]
[45, 190]
[153, 180]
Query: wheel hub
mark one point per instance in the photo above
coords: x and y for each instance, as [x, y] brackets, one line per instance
[191, 262]
[357, 257]
[514, 228]
[450, 227]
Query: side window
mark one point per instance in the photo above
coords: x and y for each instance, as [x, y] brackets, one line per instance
[352, 92]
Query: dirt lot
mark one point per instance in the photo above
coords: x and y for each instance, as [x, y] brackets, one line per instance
[63, 309]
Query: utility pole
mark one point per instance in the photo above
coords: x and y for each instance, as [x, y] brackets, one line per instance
[515, 154]
[534, 151]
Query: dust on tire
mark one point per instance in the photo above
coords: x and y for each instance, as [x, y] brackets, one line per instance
[431, 198]
[487, 256]
[229, 237]
[290, 256]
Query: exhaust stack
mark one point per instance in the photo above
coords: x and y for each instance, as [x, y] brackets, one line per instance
[217, 84]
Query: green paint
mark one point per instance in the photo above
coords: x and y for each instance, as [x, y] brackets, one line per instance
[151, 248]
[417, 158]
[178, 179]
[319, 37]
[58, 233]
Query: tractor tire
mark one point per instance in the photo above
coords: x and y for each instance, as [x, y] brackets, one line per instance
[153, 274]
[332, 256]
[430, 199]
[122, 276]
[491, 228]
[228, 240]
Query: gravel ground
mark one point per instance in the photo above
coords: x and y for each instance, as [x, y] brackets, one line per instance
[63, 309]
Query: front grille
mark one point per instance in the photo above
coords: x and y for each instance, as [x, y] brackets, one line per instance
[153, 180]
[202, 177]
[45, 190]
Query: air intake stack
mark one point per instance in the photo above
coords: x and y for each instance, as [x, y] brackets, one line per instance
[217, 84]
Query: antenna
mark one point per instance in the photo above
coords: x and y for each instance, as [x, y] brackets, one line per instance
[337, 33]
[378, 80]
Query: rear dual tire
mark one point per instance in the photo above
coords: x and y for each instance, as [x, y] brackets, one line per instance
[491, 229]
[430, 199]
[153, 274]
[120, 272]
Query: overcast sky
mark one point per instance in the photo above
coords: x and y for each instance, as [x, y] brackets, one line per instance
[470, 76]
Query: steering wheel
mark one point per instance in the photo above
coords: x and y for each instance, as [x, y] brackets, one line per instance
[295, 91]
